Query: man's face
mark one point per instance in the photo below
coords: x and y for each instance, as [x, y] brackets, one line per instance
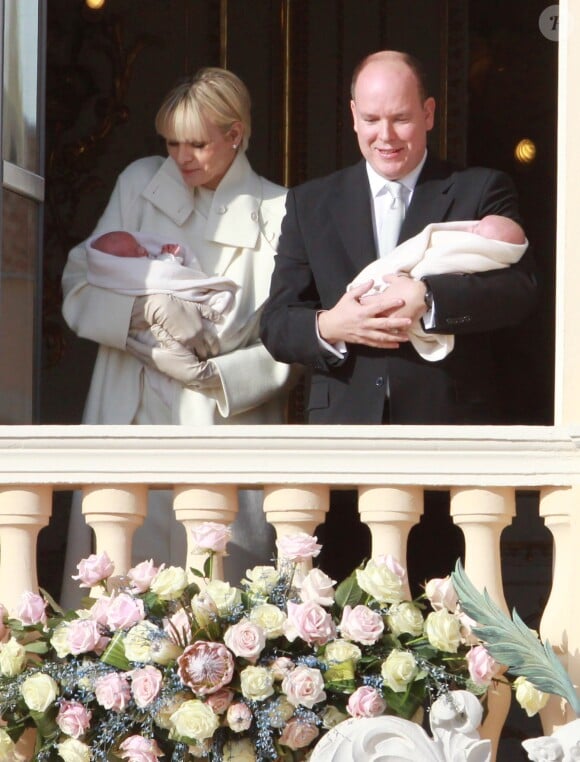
[390, 120]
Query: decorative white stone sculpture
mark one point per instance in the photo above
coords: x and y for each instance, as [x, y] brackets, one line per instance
[562, 746]
[454, 720]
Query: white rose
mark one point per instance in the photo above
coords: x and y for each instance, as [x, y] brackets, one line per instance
[380, 582]
[239, 750]
[12, 658]
[529, 697]
[398, 670]
[331, 716]
[194, 719]
[223, 595]
[443, 631]
[257, 683]
[261, 580]
[72, 750]
[405, 617]
[6, 747]
[270, 618]
[317, 587]
[169, 583]
[138, 642]
[338, 651]
[39, 691]
[59, 640]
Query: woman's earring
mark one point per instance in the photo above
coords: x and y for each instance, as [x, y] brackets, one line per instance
[235, 146]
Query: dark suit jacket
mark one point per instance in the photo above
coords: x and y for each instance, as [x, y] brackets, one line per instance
[327, 238]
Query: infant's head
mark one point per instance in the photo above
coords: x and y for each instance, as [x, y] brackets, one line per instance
[500, 229]
[120, 244]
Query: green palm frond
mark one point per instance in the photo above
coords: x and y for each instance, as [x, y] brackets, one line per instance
[512, 643]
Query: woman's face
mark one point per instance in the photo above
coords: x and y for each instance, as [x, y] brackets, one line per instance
[204, 163]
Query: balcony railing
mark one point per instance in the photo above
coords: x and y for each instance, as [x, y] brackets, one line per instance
[481, 467]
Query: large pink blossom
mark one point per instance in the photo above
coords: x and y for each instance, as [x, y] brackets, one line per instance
[73, 718]
[112, 691]
[124, 611]
[298, 547]
[361, 624]
[140, 749]
[94, 569]
[245, 639]
[205, 667]
[84, 635]
[366, 702]
[305, 686]
[310, 622]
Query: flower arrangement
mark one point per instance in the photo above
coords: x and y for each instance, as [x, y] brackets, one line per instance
[156, 665]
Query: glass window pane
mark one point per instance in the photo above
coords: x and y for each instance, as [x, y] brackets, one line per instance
[20, 141]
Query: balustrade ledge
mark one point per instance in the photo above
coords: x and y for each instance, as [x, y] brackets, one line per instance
[68, 456]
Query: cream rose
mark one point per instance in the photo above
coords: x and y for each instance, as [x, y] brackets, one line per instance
[529, 697]
[239, 750]
[194, 719]
[137, 642]
[223, 595]
[39, 691]
[340, 650]
[270, 618]
[380, 582]
[59, 640]
[169, 583]
[12, 658]
[257, 683]
[331, 716]
[261, 580]
[72, 750]
[398, 670]
[405, 617]
[443, 630]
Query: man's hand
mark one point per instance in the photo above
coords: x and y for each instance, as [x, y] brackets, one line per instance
[411, 292]
[181, 318]
[368, 322]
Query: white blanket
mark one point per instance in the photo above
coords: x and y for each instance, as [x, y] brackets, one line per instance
[442, 247]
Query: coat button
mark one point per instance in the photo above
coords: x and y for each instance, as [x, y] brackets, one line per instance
[222, 210]
[380, 382]
[254, 216]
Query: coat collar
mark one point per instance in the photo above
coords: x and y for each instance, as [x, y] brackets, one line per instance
[234, 216]
[431, 198]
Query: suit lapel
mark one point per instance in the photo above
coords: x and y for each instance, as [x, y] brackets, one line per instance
[432, 198]
[351, 212]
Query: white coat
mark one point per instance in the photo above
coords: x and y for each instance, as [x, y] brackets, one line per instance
[239, 237]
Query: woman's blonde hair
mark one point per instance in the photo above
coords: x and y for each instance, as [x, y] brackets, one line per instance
[211, 95]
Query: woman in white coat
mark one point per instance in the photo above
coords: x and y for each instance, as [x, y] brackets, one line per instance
[205, 195]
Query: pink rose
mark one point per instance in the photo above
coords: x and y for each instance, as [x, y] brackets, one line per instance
[73, 718]
[112, 691]
[206, 667]
[482, 666]
[441, 594]
[239, 717]
[305, 686]
[211, 536]
[178, 627]
[361, 624]
[297, 734]
[142, 575]
[94, 569]
[310, 622]
[83, 635]
[139, 749]
[4, 630]
[99, 610]
[366, 702]
[392, 565]
[245, 639]
[298, 547]
[220, 700]
[145, 685]
[124, 611]
[31, 609]
[317, 587]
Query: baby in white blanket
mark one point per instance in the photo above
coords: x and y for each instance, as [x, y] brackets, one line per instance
[446, 247]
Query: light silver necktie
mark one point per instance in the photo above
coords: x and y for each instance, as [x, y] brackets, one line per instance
[393, 215]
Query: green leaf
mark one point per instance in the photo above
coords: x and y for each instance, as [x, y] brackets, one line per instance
[512, 643]
[348, 593]
[114, 653]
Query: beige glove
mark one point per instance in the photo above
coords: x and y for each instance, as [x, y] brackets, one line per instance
[175, 361]
[182, 319]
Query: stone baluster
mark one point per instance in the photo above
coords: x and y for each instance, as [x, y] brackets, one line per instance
[193, 505]
[557, 508]
[390, 513]
[291, 510]
[24, 511]
[114, 513]
[482, 515]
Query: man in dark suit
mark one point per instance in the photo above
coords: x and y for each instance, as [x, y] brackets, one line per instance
[361, 367]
